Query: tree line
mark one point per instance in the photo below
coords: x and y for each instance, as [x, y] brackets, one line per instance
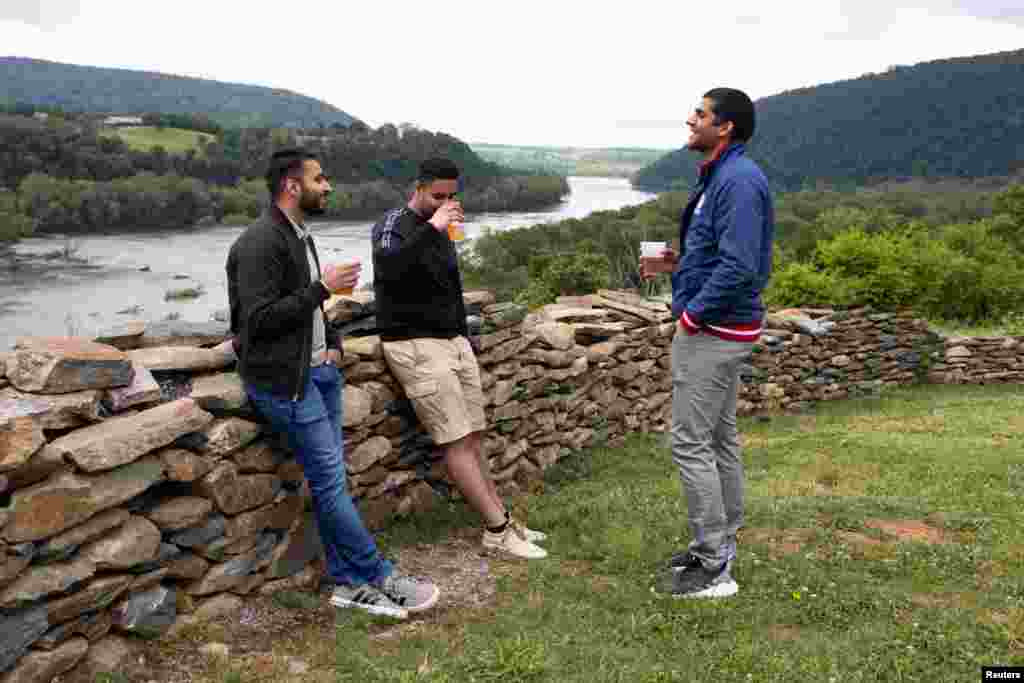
[952, 250]
[67, 175]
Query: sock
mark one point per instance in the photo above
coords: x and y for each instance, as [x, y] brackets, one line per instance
[501, 527]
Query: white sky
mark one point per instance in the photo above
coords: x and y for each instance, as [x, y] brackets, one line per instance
[550, 73]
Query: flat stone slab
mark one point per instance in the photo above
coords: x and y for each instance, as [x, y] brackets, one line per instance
[180, 512]
[231, 574]
[42, 581]
[143, 389]
[116, 442]
[182, 358]
[97, 594]
[227, 435]
[91, 626]
[357, 405]
[68, 499]
[368, 454]
[261, 457]
[183, 465]
[183, 333]
[66, 543]
[62, 411]
[220, 393]
[61, 365]
[18, 631]
[21, 433]
[134, 542]
[14, 559]
[44, 666]
[234, 492]
[125, 336]
[148, 614]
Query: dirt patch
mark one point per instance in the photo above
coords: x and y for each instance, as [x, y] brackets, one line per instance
[909, 530]
[268, 641]
[825, 477]
[783, 633]
[945, 600]
[926, 424]
[780, 542]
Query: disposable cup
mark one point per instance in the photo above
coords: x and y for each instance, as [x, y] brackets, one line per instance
[652, 249]
[456, 232]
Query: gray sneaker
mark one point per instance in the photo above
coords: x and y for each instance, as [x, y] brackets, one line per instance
[366, 597]
[410, 593]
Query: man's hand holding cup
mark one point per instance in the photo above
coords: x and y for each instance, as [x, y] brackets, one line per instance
[448, 214]
[655, 258]
[341, 278]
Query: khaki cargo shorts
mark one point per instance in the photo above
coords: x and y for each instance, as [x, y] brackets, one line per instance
[442, 379]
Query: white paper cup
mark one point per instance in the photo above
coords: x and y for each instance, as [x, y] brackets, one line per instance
[652, 249]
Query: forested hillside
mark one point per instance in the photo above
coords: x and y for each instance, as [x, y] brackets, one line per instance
[959, 117]
[95, 89]
[67, 174]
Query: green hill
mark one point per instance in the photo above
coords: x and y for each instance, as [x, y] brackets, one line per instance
[960, 117]
[96, 89]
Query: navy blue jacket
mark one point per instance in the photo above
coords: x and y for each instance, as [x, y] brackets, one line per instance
[726, 233]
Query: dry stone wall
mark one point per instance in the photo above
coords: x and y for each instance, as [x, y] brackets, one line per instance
[139, 494]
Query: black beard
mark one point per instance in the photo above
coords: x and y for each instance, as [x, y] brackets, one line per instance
[311, 205]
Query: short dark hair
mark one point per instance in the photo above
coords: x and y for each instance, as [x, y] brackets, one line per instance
[436, 169]
[733, 105]
[283, 164]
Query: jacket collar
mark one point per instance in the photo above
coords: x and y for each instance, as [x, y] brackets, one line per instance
[705, 168]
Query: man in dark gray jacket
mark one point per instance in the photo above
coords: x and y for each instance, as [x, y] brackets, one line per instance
[288, 360]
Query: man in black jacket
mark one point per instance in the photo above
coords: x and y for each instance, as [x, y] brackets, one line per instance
[422, 321]
[288, 360]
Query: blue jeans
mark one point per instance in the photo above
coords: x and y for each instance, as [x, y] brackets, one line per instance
[313, 427]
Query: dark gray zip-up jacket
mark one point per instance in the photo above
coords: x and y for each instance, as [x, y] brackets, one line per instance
[272, 298]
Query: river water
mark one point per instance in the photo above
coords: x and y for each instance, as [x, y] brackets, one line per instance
[105, 283]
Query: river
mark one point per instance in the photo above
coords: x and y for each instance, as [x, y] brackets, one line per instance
[120, 277]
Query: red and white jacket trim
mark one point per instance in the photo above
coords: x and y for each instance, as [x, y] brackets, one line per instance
[739, 332]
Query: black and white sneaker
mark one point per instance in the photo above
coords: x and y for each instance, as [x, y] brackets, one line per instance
[692, 580]
[687, 560]
[367, 597]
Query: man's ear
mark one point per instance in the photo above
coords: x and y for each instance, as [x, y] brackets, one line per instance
[727, 129]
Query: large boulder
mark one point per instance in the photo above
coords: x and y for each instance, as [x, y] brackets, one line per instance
[61, 365]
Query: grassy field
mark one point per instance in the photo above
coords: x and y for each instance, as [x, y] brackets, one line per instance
[584, 161]
[884, 542]
[174, 140]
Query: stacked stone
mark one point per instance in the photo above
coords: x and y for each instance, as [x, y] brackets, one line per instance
[807, 356]
[980, 360]
[126, 510]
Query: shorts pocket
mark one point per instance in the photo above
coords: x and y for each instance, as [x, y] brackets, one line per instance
[423, 389]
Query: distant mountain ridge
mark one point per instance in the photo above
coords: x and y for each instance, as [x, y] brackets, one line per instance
[958, 117]
[106, 90]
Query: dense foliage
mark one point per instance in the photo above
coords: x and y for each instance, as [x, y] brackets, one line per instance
[951, 250]
[949, 118]
[94, 89]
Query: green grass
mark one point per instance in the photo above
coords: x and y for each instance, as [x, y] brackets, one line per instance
[145, 138]
[824, 594]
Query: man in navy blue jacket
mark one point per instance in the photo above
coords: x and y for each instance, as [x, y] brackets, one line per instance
[726, 234]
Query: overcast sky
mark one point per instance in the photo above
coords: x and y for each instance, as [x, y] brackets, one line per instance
[552, 72]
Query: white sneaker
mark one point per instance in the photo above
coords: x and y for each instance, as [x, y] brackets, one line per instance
[532, 535]
[514, 542]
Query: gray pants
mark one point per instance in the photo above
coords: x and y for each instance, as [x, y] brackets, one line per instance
[705, 442]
